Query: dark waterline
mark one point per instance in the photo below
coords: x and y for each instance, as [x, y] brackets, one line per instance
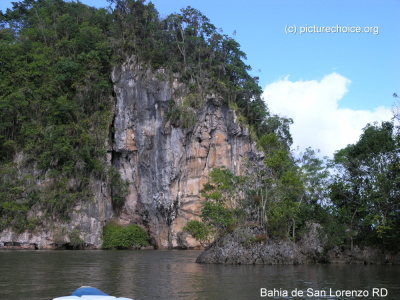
[44, 275]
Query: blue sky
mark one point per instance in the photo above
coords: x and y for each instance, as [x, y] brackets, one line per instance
[318, 79]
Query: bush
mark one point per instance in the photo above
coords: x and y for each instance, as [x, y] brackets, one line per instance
[75, 240]
[119, 237]
[193, 100]
[181, 115]
[119, 188]
[261, 238]
[199, 231]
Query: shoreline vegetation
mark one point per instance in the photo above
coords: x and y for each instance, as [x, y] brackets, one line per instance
[57, 110]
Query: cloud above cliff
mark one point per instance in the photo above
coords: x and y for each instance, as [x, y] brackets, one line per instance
[313, 106]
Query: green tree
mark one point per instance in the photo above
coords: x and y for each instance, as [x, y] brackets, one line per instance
[366, 191]
[200, 231]
[282, 190]
[396, 108]
[224, 200]
[315, 175]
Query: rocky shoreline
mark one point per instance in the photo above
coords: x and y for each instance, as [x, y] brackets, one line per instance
[288, 253]
[250, 246]
[270, 253]
[244, 246]
[34, 246]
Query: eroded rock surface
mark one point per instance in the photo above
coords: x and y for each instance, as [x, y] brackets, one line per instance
[167, 165]
[250, 246]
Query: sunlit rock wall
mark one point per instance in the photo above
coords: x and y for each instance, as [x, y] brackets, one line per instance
[166, 165]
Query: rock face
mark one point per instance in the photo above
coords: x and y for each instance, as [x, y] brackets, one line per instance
[167, 165]
[87, 221]
[365, 255]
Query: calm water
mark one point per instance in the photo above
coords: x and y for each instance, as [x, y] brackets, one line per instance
[42, 275]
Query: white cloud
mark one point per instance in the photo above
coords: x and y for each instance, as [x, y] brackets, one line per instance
[313, 106]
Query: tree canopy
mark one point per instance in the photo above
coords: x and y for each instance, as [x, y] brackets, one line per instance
[366, 191]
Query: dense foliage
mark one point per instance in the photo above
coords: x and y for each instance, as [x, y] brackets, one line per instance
[366, 190]
[119, 237]
[54, 106]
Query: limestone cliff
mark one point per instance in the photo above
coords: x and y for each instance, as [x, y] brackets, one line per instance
[166, 165]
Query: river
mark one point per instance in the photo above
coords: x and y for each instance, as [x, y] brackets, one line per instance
[43, 275]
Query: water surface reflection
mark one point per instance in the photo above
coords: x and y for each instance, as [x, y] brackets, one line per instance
[42, 275]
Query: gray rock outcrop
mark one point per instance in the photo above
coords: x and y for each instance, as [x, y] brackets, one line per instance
[251, 246]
